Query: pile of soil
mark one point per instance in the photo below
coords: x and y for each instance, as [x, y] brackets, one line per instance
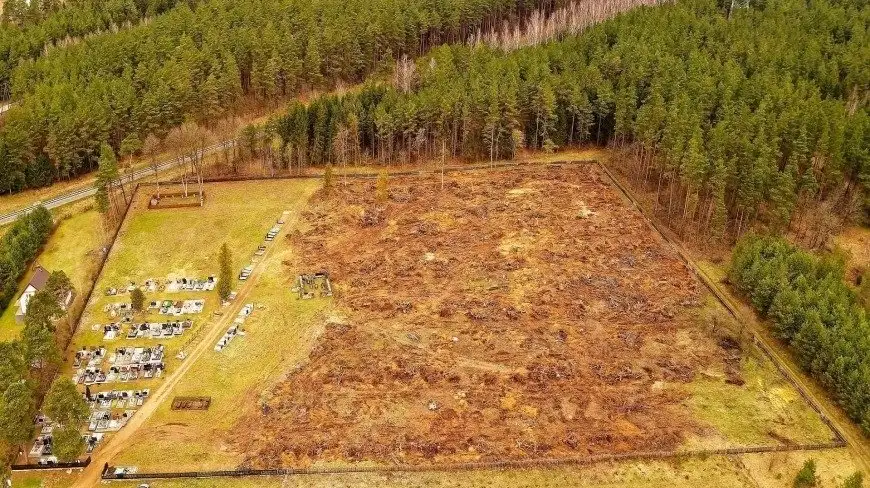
[513, 314]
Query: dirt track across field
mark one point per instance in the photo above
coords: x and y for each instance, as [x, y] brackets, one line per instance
[117, 442]
[511, 315]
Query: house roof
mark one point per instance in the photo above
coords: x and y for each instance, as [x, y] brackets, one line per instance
[40, 277]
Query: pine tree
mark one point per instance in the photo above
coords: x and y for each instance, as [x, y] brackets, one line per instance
[313, 62]
[782, 196]
[806, 477]
[856, 480]
[226, 273]
[64, 404]
[809, 338]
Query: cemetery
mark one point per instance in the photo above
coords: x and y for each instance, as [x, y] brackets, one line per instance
[93, 366]
[236, 328]
[311, 285]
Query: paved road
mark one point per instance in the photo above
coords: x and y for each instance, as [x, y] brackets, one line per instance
[88, 191]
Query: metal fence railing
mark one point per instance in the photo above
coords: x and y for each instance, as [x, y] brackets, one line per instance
[38, 466]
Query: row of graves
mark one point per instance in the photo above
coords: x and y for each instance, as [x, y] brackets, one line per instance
[145, 330]
[177, 307]
[261, 249]
[168, 285]
[93, 367]
[126, 327]
[111, 410]
[235, 328]
[158, 330]
[124, 310]
[41, 450]
[312, 285]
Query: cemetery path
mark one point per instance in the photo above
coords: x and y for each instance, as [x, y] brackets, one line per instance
[118, 441]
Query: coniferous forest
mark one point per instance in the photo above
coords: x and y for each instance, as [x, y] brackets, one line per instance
[31, 28]
[812, 310]
[197, 61]
[731, 119]
[728, 120]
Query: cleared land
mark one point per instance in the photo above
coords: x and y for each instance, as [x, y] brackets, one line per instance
[511, 315]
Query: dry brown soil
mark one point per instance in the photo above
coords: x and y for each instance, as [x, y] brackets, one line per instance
[509, 315]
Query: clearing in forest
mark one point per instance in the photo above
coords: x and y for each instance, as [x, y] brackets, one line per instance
[510, 315]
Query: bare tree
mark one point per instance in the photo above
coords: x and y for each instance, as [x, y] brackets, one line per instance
[571, 19]
[151, 148]
[405, 74]
[192, 140]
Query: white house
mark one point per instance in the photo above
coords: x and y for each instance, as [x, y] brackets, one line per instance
[37, 283]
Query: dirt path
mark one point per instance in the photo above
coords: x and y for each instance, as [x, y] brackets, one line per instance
[116, 443]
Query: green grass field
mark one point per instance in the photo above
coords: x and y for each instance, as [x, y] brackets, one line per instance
[278, 334]
[182, 242]
[752, 414]
[74, 247]
[765, 411]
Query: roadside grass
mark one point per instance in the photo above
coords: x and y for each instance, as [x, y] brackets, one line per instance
[74, 247]
[15, 201]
